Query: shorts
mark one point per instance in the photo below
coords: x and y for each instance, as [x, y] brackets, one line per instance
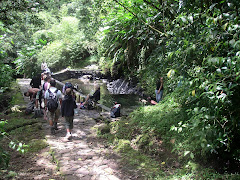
[53, 115]
[39, 95]
[69, 122]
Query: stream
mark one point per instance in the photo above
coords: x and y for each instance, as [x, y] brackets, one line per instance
[128, 102]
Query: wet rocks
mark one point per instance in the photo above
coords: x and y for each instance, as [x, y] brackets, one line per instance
[121, 86]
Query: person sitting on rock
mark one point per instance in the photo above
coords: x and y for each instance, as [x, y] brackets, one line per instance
[95, 97]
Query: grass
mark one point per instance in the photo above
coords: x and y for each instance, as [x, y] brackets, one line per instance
[144, 141]
[21, 127]
[17, 98]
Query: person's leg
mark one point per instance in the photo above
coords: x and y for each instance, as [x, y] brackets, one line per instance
[68, 124]
[51, 119]
[86, 100]
[40, 99]
[160, 95]
[71, 124]
[157, 96]
[56, 117]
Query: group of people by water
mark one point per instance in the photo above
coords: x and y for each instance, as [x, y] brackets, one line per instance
[55, 103]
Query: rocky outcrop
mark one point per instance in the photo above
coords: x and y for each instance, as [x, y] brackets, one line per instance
[67, 74]
[121, 86]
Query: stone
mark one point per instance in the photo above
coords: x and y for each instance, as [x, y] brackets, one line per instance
[104, 128]
[112, 177]
[87, 177]
[82, 171]
[71, 177]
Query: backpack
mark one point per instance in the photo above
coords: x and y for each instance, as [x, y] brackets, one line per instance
[90, 105]
[67, 85]
[115, 111]
[52, 103]
[29, 108]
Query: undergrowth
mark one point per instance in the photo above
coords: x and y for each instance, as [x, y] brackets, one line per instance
[146, 140]
[20, 132]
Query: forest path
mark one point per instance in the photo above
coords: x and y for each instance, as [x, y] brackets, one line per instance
[85, 156]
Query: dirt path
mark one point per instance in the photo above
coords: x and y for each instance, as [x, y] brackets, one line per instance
[85, 156]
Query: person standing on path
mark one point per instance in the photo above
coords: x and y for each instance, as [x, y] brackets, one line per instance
[36, 82]
[67, 109]
[159, 89]
[53, 115]
[41, 93]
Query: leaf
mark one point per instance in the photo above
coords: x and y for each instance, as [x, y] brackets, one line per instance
[232, 42]
[192, 155]
[190, 18]
[186, 153]
[225, 26]
[169, 73]
[193, 92]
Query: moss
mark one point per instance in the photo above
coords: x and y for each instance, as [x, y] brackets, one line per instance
[15, 121]
[103, 129]
[11, 174]
[122, 145]
[17, 97]
[36, 145]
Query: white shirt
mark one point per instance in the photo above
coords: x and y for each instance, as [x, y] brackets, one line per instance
[53, 89]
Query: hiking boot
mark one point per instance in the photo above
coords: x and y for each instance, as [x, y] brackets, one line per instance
[52, 130]
[55, 126]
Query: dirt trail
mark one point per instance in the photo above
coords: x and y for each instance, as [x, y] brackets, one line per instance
[85, 156]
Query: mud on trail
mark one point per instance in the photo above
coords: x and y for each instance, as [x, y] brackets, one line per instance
[52, 157]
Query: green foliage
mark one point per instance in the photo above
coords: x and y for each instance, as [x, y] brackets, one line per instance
[18, 146]
[4, 158]
[199, 43]
[36, 145]
[195, 45]
[6, 74]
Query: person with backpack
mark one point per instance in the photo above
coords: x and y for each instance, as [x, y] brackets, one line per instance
[67, 109]
[42, 91]
[53, 100]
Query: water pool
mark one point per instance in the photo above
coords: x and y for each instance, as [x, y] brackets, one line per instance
[128, 102]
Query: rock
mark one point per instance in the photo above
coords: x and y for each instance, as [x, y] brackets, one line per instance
[104, 128]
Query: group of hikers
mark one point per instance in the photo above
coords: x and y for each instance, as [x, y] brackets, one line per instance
[53, 103]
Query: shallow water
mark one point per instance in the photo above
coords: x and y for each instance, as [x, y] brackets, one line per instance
[128, 102]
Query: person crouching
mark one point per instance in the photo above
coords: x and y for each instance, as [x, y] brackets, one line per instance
[68, 106]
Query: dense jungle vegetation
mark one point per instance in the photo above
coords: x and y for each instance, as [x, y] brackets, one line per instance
[193, 44]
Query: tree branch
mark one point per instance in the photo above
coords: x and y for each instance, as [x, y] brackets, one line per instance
[151, 27]
[151, 4]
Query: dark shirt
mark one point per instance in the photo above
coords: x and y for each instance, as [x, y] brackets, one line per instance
[96, 95]
[68, 106]
[158, 85]
[35, 82]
